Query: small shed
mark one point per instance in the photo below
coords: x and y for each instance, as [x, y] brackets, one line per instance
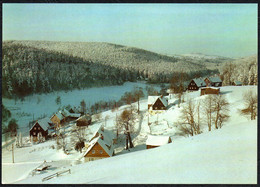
[84, 120]
[237, 83]
[156, 141]
[40, 126]
[209, 90]
[157, 103]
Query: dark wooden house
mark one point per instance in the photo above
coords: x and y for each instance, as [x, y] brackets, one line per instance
[209, 90]
[213, 81]
[157, 103]
[237, 83]
[195, 84]
[40, 126]
[156, 141]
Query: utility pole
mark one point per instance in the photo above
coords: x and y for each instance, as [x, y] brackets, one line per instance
[148, 117]
[13, 152]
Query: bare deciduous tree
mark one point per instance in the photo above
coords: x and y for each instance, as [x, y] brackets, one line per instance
[250, 101]
[125, 121]
[188, 125]
[208, 109]
[220, 109]
[138, 92]
[78, 137]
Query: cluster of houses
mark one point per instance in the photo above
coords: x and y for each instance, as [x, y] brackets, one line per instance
[101, 143]
[47, 126]
[209, 85]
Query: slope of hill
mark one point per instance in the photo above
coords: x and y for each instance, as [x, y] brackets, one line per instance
[226, 155]
[42, 66]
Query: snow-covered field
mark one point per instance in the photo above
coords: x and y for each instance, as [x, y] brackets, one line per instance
[37, 105]
[226, 155]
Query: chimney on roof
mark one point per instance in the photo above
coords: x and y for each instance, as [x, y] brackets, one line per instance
[161, 96]
[102, 137]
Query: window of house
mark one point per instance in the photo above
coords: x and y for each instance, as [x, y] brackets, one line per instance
[34, 128]
[156, 107]
[93, 151]
[91, 159]
[101, 151]
[38, 128]
[161, 108]
[34, 133]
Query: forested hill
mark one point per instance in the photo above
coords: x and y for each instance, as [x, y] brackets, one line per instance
[41, 66]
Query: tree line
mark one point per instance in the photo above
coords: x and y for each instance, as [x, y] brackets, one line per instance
[43, 67]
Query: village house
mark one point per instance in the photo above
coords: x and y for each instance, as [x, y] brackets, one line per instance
[100, 146]
[156, 141]
[157, 103]
[58, 119]
[195, 84]
[237, 83]
[209, 90]
[84, 120]
[213, 81]
[40, 126]
[69, 116]
[63, 116]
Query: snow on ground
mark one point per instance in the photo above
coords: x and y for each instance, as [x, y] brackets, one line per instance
[37, 105]
[227, 155]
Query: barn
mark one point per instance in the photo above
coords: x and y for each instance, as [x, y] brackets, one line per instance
[237, 83]
[157, 103]
[156, 141]
[195, 84]
[100, 146]
[40, 126]
[84, 120]
[213, 81]
[209, 90]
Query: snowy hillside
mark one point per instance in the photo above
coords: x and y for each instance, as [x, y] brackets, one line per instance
[226, 155]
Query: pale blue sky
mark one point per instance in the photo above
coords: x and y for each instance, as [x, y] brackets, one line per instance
[216, 29]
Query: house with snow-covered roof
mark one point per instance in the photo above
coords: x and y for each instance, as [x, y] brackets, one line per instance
[69, 116]
[195, 84]
[40, 126]
[213, 81]
[157, 103]
[156, 141]
[57, 119]
[63, 116]
[100, 146]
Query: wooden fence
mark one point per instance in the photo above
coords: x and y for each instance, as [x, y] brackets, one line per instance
[55, 175]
